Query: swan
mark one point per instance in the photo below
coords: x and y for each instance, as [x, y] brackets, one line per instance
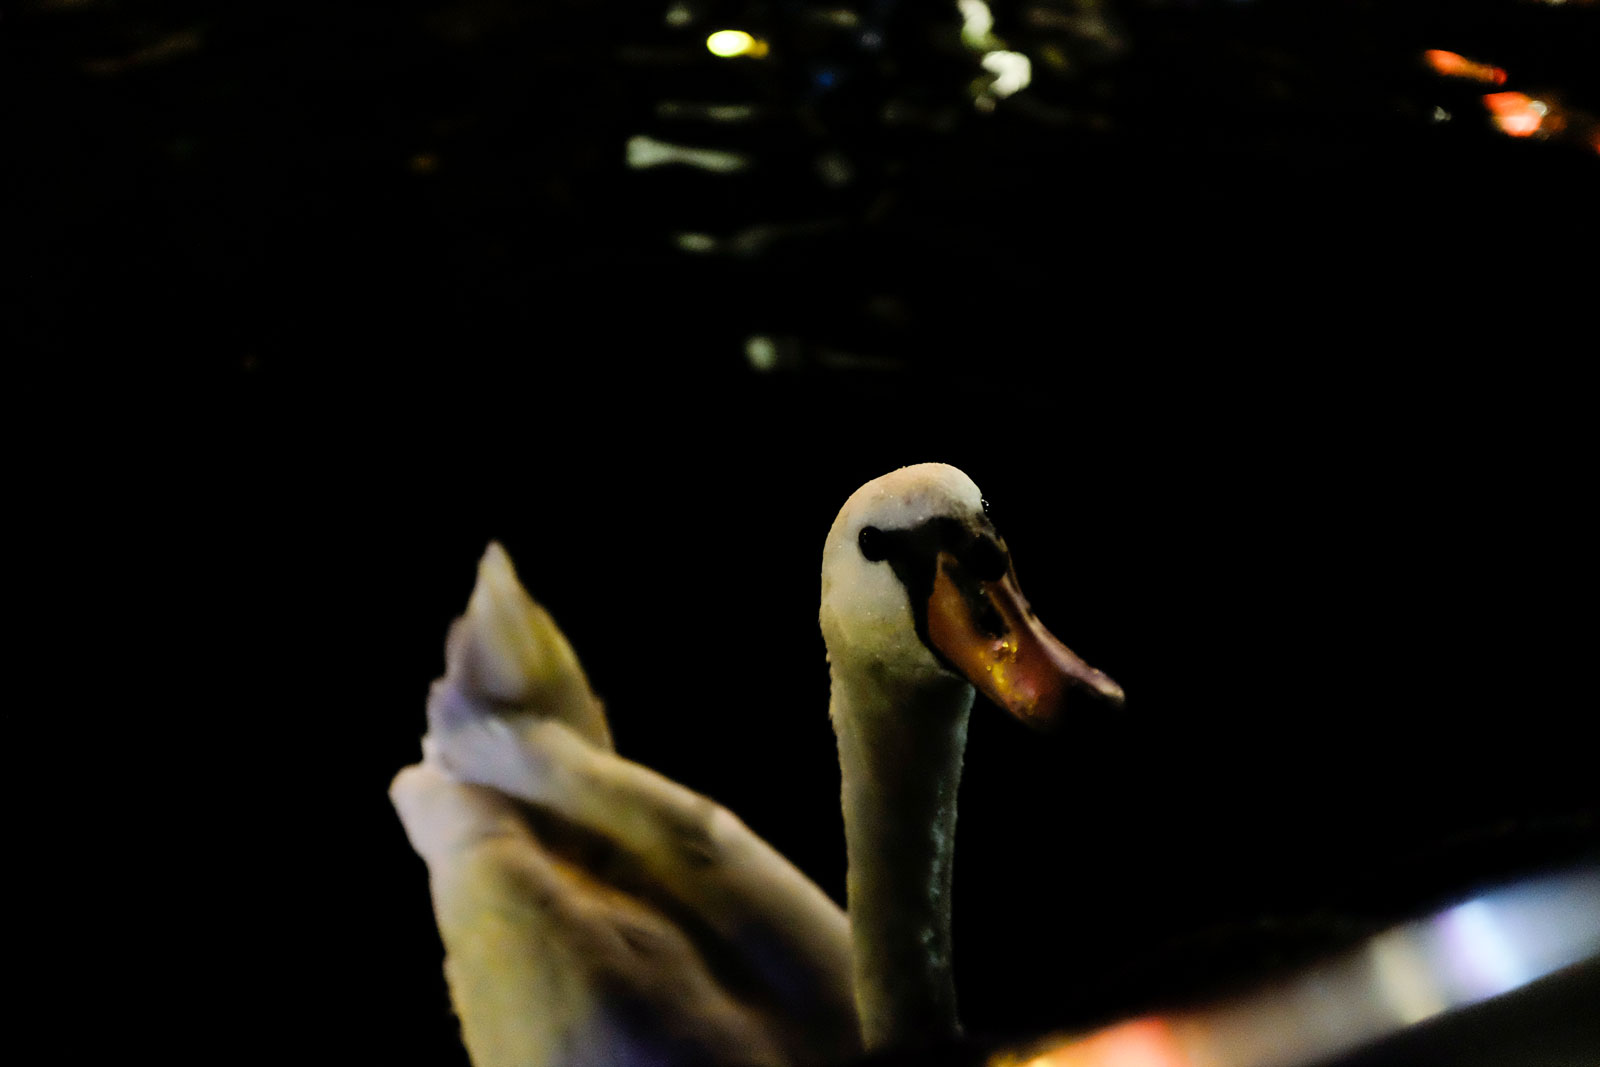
[744, 959]
[920, 607]
[595, 913]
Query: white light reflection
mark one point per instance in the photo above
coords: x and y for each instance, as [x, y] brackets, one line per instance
[1012, 71]
[644, 152]
[1476, 953]
[1483, 948]
[977, 21]
[762, 352]
[697, 243]
[834, 170]
[681, 109]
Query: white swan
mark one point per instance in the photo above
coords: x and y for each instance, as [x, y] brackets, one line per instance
[594, 913]
[920, 604]
[744, 959]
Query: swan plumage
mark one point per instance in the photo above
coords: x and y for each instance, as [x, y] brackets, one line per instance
[919, 604]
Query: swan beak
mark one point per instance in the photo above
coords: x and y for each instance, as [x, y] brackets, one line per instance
[988, 632]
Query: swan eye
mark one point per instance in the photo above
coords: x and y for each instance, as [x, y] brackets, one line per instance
[985, 560]
[874, 546]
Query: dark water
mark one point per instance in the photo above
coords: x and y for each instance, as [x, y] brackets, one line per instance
[1268, 372]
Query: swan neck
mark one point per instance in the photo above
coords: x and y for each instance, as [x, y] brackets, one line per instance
[900, 753]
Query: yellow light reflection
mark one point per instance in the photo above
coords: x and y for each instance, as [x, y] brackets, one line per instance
[730, 43]
[1404, 979]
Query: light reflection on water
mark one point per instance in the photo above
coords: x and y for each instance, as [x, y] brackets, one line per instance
[1472, 952]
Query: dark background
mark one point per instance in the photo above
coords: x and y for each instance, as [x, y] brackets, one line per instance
[1272, 379]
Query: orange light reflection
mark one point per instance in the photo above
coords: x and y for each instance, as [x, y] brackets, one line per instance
[1146, 1042]
[1455, 65]
[1516, 114]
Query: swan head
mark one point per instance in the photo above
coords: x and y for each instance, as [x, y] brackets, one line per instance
[918, 589]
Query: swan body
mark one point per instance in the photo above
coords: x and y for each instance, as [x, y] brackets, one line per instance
[593, 912]
[919, 607]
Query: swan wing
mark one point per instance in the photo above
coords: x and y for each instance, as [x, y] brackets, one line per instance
[589, 906]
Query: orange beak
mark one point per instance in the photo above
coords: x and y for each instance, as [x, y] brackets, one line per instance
[988, 632]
